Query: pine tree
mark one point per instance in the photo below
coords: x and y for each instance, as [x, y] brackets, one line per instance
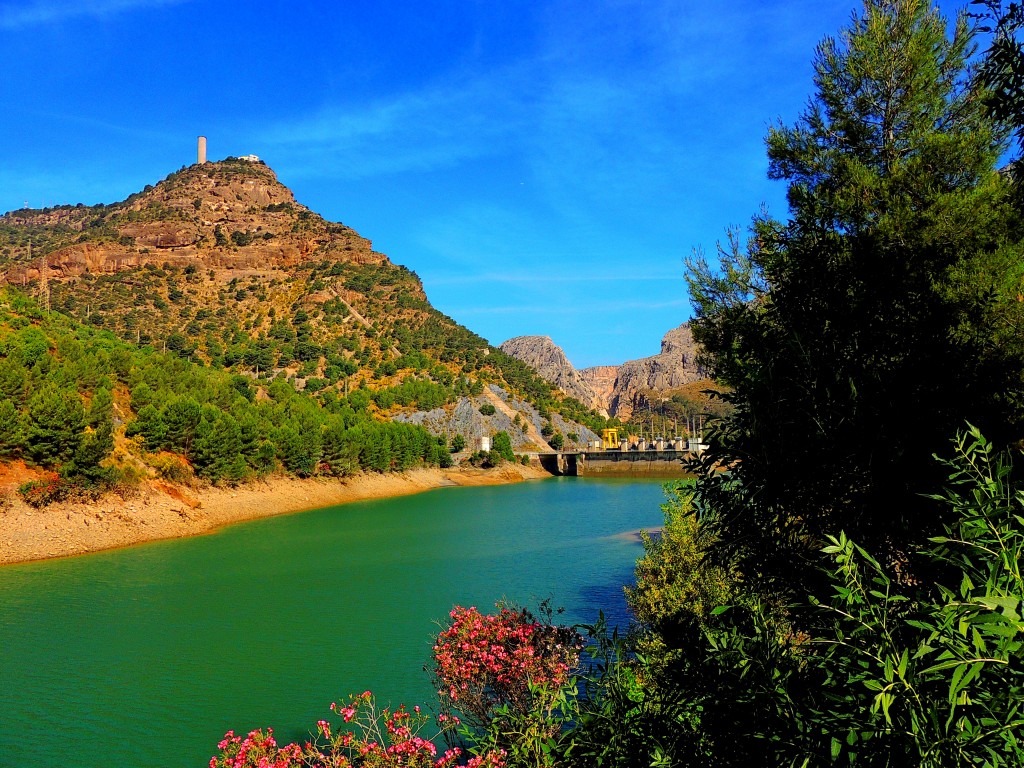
[101, 409]
[264, 460]
[181, 419]
[150, 425]
[300, 450]
[858, 336]
[12, 433]
[216, 450]
[96, 445]
[339, 451]
[55, 422]
[13, 380]
[502, 445]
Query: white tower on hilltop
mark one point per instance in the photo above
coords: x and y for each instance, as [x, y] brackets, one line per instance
[201, 150]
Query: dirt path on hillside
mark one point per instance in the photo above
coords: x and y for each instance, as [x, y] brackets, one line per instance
[162, 511]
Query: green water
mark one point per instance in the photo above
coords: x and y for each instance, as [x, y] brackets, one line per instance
[145, 656]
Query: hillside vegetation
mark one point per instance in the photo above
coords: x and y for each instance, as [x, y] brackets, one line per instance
[237, 317]
[98, 413]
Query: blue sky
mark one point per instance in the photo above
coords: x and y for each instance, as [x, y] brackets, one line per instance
[545, 167]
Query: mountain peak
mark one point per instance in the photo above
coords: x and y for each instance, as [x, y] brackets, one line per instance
[233, 214]
[621, 389]
[548, 359]
[219, 264]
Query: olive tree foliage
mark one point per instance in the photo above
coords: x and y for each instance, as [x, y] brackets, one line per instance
[859, 334]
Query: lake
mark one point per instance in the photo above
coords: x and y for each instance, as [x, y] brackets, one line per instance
[146, 656]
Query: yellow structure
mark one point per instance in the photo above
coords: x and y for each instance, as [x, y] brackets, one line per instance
[610, 439]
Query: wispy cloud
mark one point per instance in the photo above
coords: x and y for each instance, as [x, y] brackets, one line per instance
[123, 127]
[570, 112]
[437, 127]
[22, 15]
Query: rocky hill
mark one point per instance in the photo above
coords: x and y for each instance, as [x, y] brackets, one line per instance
[219, 265]
[234, 214]
[524, 424]
[548, 359]
[619, 390]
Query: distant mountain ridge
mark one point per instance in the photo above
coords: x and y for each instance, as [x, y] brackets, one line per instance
[616, 390]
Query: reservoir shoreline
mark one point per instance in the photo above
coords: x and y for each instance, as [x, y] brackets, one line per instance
[161, 511]
[266, 623]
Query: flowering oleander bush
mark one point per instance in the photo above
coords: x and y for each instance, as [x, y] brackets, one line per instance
[509, 676]
[375, 737]
[366, 737]
[505, 687]
[485, 662]
[257, 750]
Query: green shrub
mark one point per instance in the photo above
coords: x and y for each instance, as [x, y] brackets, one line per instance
[501, 444]
[885, 670]
[675, 586]
[41, 493]
[173, 469]
[241, 238]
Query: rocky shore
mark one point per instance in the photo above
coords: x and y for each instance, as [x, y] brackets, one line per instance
[162, 511]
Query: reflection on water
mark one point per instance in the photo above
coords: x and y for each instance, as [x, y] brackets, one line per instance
[145, 656]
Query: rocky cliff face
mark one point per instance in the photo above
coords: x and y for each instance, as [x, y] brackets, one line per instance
[548, 359]
[617, 390]
[646, 379]
[601, 379]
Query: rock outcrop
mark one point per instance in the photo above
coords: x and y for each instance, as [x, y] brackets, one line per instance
[519, 419]
[641, 381]
[615, 390]
[548, 359]
[601, 379]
